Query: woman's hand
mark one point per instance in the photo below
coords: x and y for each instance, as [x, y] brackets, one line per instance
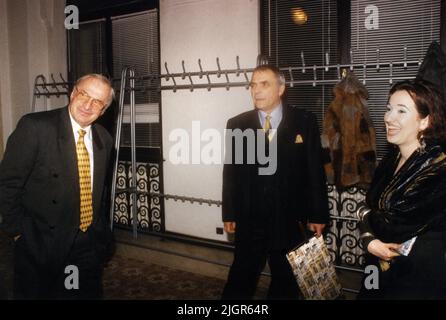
[317, 228]
[384, 251]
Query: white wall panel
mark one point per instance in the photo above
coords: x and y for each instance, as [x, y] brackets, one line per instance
[192, 30]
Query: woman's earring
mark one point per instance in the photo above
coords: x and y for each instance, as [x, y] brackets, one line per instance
[422, 145]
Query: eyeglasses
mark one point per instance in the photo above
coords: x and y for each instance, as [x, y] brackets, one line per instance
[95, 103]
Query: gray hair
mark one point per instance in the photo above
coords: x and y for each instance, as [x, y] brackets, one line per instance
[103, 79]
[275, 70]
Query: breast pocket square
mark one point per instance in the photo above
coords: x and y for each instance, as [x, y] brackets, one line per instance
[298, 139]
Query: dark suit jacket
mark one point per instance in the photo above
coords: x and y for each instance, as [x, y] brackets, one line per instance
[39, 186]
[299, 184]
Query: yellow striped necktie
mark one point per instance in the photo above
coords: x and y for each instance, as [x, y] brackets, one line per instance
[267, 127]
[86, 198]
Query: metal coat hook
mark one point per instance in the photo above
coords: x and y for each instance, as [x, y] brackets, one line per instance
[314, 75]
[219, 69]
[291, 77]
[167, 71]
[36, 87]
[45, 87]
[191, 84]
[55, 86]
[377, 60]
[168, 77]
[351, 59]
[364, 74]
[65, 83]
[207, 75]
[391, 73]
[238, 66]
[327, 61]
[183, 76]
[227, 81]
[303, 61]
[209, 81]
[405, 57]
[188, 75]
[247, 80]
[201, 69]
[262, 60]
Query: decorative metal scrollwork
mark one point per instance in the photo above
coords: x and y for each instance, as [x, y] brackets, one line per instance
[342, 236]
[148, 202]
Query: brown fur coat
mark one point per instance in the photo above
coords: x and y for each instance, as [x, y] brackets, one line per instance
[349, 136]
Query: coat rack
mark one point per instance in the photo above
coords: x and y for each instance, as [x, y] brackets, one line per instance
[291, 73]
[45, 89]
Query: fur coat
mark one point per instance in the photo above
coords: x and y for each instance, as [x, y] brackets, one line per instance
[348, 136]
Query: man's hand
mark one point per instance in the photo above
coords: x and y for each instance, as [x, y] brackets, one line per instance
[385, 251]
[17, 237]
[229, 226]
[317, 228]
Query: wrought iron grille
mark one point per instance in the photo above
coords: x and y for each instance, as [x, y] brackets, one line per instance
[342, 237]
[150, 216]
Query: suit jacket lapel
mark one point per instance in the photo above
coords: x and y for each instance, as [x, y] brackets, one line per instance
[284, 125]
[68, 155]
[286, 133]
[100, 155]
[255, 120]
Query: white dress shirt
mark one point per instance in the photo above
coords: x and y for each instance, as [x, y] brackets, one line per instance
[88, 141]
[276, 117]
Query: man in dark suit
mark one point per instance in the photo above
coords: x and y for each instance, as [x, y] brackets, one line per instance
[52, 196]
[264, 209]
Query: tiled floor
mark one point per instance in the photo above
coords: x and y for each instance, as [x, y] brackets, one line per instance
[129, 278]
[157, 269]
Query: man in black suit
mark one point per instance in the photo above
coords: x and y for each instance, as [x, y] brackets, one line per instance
[264, 209]
[52, 196]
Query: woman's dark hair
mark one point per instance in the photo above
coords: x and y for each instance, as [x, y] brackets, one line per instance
[429, 102]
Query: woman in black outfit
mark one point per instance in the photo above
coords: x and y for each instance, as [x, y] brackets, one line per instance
[403, 225]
